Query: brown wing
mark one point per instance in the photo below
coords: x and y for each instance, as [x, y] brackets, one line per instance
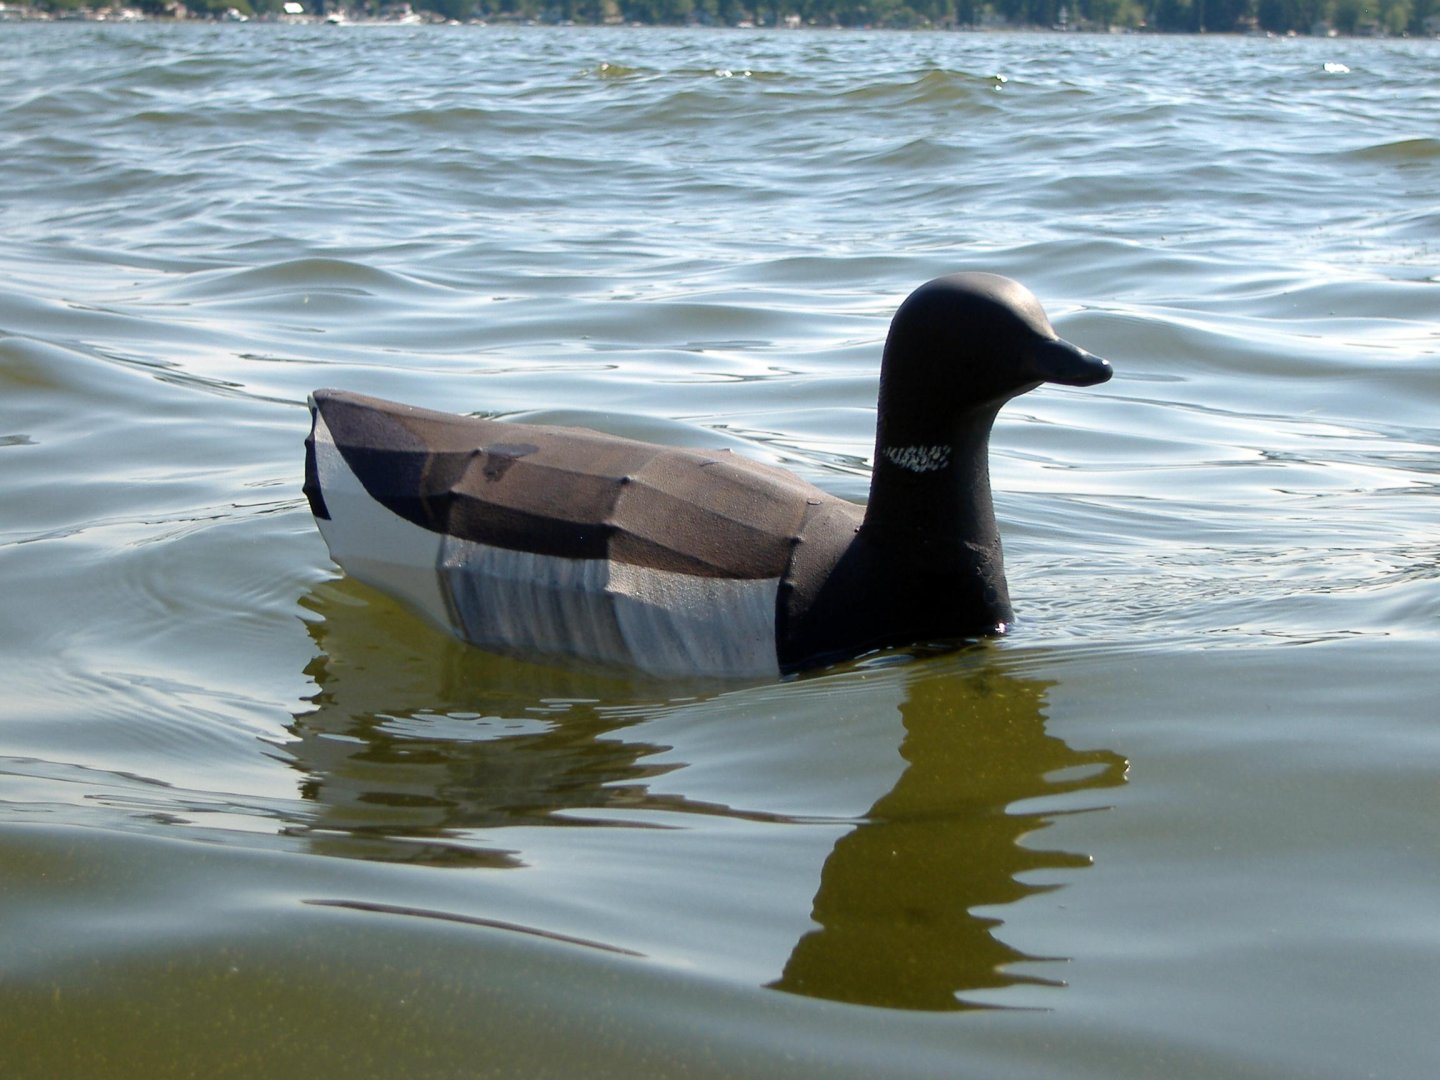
[572, 493]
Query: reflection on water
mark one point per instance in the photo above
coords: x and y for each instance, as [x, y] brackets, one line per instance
[897, 897]
[410, 754]
[426, 752]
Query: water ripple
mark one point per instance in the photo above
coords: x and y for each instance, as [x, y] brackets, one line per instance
[700, 238]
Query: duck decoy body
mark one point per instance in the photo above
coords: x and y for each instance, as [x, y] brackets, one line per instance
[545, 540]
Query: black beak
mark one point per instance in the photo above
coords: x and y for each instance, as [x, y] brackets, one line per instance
[1060, 362]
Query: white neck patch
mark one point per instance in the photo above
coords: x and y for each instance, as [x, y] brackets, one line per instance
[920, 459]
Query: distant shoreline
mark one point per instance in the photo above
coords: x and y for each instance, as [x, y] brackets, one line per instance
[403, 14]
[9, 15]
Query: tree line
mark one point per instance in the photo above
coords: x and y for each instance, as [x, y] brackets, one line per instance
[1394, 17]
[1175, 16]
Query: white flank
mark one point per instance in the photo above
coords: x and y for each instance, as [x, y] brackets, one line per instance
[656, 621]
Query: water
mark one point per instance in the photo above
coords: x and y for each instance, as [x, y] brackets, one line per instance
[257, 819]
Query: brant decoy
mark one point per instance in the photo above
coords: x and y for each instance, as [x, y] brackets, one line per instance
[529, 539]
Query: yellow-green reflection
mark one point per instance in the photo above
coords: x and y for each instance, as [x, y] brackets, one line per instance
[422, 750]
[897, 895]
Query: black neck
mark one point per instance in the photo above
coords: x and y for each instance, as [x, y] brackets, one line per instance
[930, 505]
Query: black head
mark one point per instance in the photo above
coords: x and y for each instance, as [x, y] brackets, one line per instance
[971, 342]
[959, 348]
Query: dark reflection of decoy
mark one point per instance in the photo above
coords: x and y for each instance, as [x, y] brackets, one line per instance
[897, 896]
[410, 749]
[421, 750]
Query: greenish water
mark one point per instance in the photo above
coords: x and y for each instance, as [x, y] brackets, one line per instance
[254, 817]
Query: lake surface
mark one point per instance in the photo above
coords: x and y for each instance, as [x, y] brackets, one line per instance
[257, 820]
